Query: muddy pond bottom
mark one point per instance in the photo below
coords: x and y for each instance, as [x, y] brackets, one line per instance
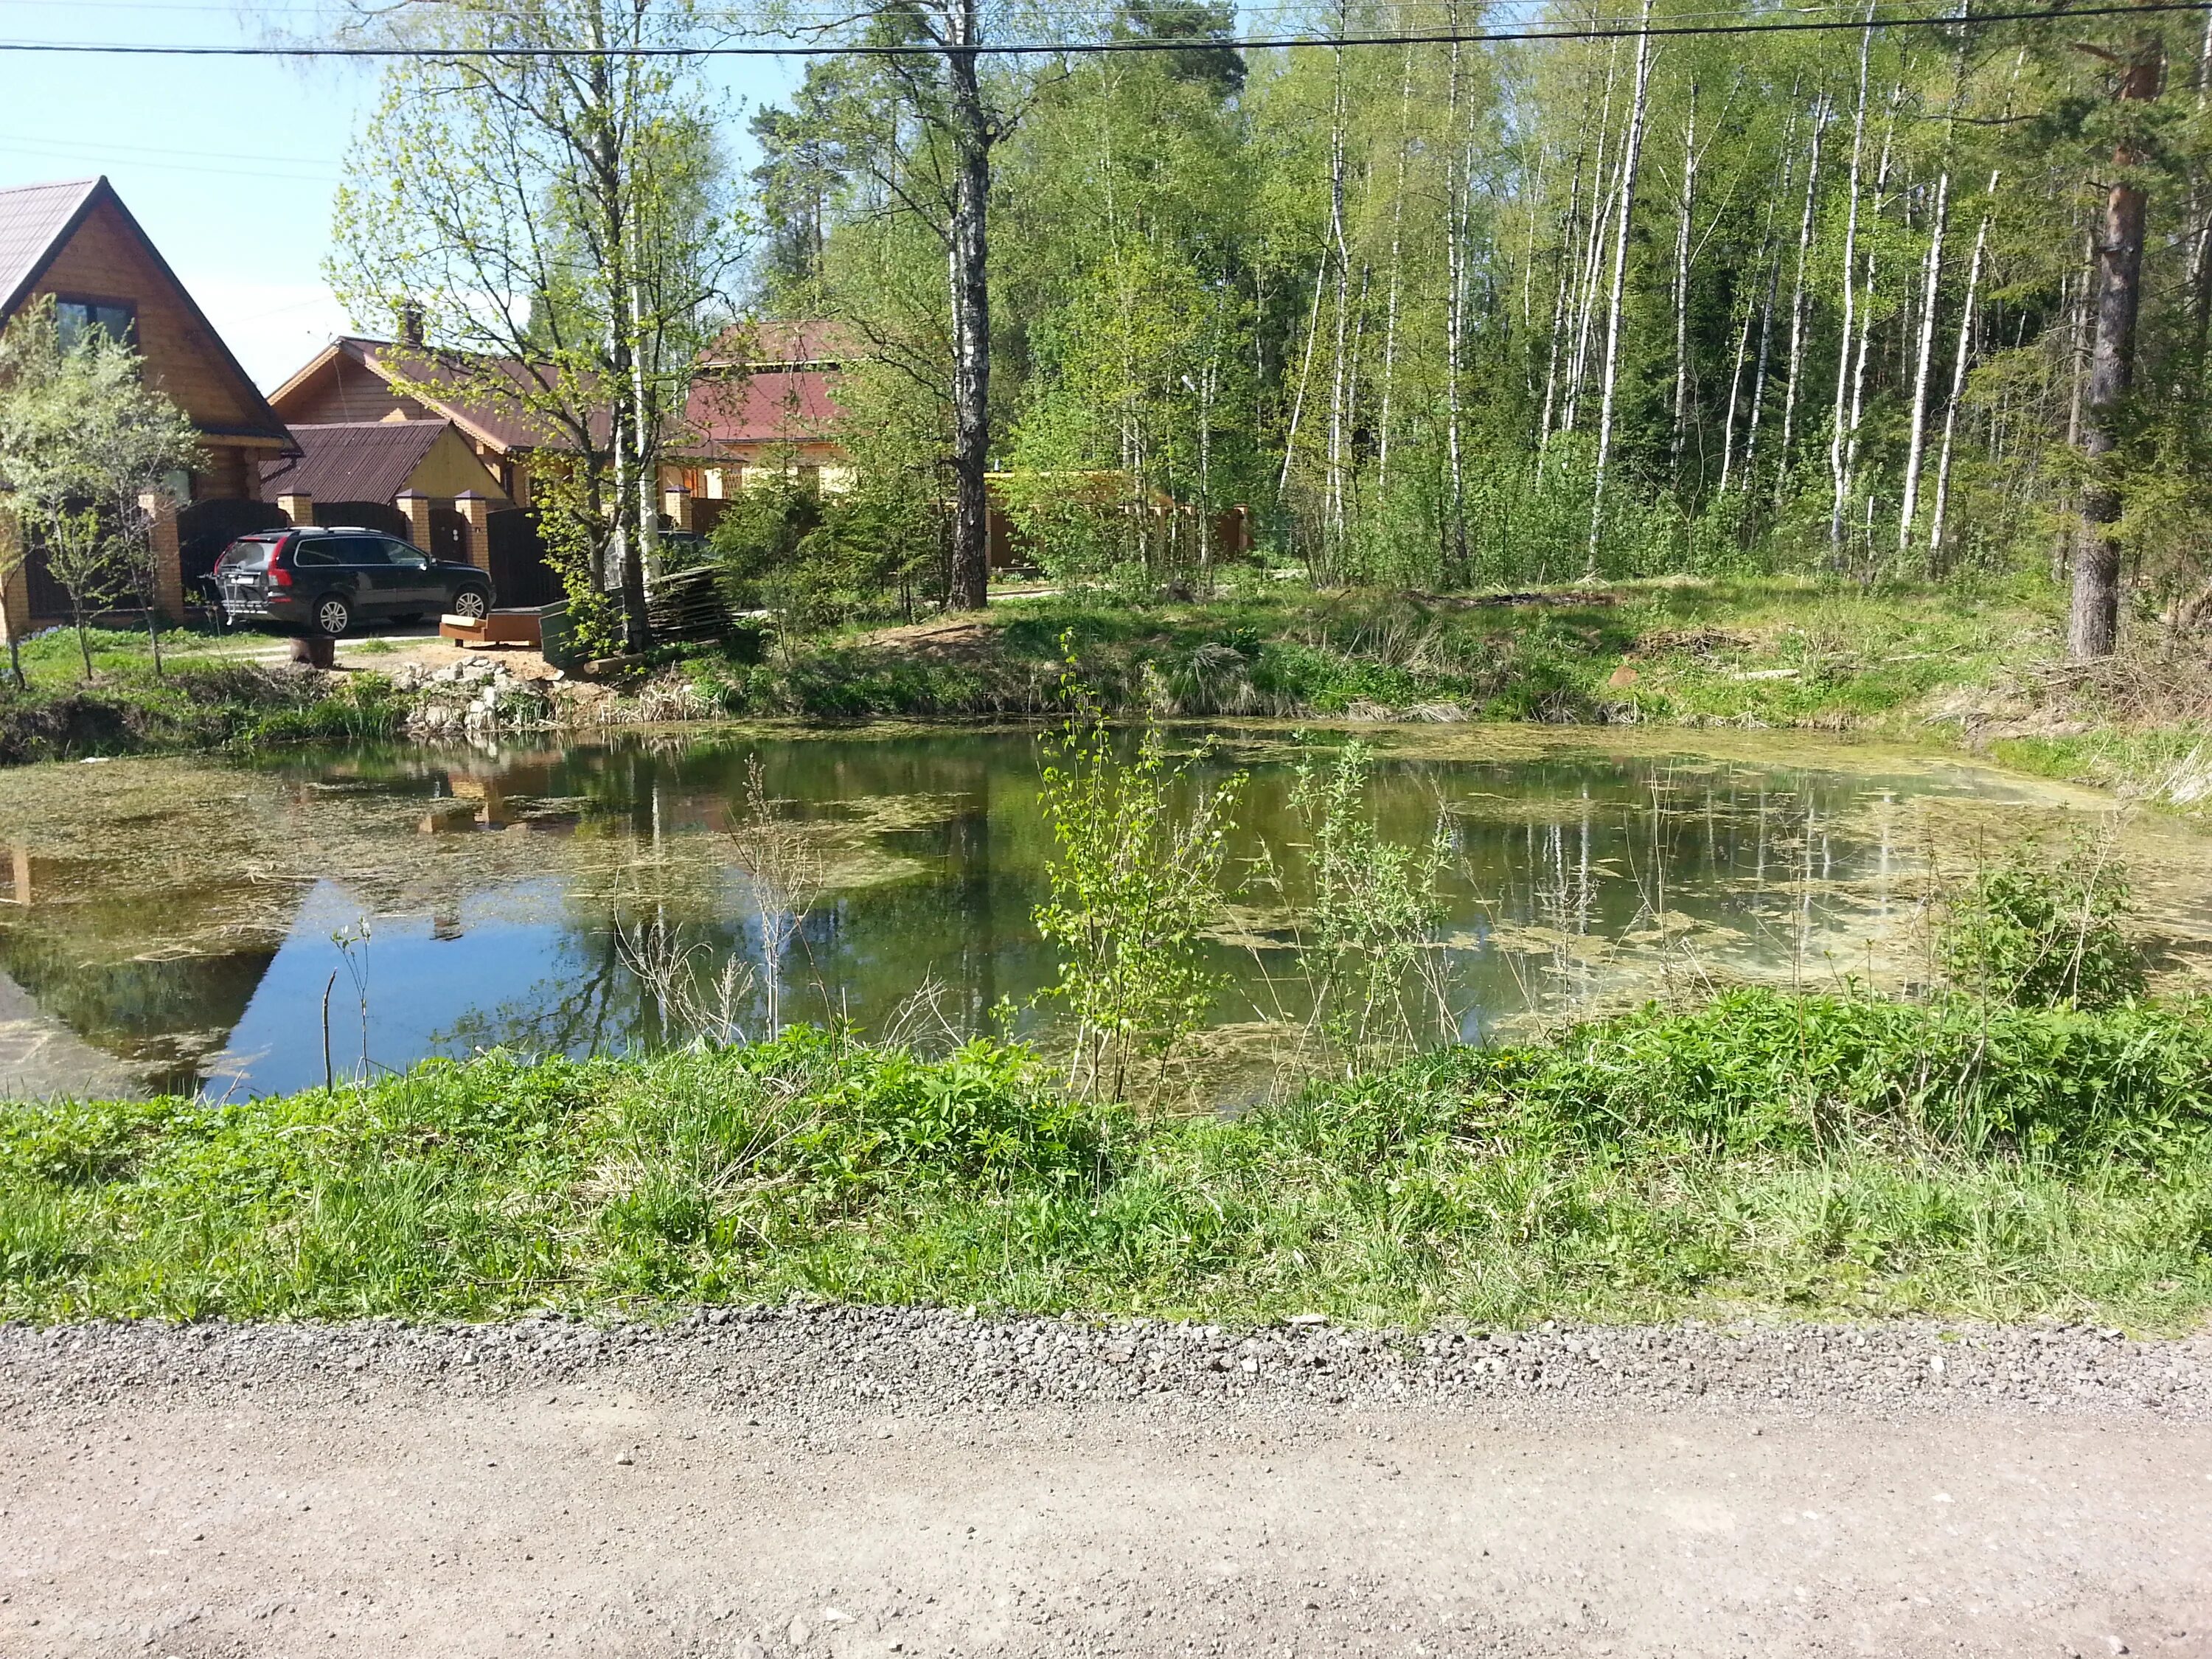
[182, 924]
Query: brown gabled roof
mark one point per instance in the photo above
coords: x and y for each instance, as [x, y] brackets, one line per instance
[463, 387]
[764, 406]
[36, 222]
[777, 343]
[35, 219]
[351, 461]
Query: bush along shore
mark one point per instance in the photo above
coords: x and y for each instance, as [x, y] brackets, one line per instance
[1980, 667]
[194, 706]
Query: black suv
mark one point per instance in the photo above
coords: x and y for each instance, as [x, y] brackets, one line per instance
[325, 581]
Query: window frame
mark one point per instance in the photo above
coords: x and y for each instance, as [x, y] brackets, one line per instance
[91, 304]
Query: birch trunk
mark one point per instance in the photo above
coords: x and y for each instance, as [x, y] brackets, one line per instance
[1593, 263]
[1456, 189]
[1958, 388]
[1682, 287]
[1390, 322]
[1850, 297]
[969, 256]
[1561, 277]
[1822, 112]
[1632, 148]
[1916, 447]
[1340, 256]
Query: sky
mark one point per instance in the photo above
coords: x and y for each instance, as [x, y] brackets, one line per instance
[229, 163]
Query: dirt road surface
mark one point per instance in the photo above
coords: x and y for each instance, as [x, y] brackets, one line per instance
[841, 1482]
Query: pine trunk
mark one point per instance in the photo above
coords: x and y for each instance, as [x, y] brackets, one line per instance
[2093, 627]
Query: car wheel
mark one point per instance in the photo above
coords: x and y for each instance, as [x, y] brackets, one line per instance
[473, 603]
[333, 616]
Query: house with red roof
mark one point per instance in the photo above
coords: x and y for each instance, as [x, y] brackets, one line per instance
[764, 401]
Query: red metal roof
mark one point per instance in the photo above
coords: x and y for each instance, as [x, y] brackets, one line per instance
[766, 406]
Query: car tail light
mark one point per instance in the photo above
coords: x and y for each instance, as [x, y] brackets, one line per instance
[278, 575]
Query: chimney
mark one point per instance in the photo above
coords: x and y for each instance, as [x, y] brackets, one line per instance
[411, 323]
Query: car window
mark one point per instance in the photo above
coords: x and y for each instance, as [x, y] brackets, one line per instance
[402, 553]
[315, 551]
[240, 555]
[356, 550]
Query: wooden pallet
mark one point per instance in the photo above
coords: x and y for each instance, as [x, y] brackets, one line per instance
[517, 628]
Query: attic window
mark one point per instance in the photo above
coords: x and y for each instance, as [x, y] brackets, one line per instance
[75, 318]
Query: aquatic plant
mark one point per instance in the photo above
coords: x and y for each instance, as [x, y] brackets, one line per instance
[1135, 881]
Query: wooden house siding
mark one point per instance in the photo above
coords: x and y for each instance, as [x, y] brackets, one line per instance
[344, 390]
[105, 259]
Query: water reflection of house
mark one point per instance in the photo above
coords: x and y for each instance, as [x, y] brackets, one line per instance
[82, 1009]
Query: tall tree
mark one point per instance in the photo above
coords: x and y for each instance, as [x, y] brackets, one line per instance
[87, 452]
[2093, 627]
[553, 229]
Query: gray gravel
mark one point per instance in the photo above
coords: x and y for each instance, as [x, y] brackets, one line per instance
[817, 1483]
[817, 1360]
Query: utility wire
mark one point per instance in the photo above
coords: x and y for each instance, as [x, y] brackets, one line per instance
[1091, 48]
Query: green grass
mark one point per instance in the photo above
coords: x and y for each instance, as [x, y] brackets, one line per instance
[208, 698]
[1768, 651]
[1820, 1155]
[2167, 766]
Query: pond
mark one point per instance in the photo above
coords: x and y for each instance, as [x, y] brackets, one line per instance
[179, 923]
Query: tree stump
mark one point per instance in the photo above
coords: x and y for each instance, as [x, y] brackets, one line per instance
[316, 650]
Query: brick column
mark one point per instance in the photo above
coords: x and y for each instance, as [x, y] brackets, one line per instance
[474, 508]
[417, 505]
[676, 505]
[15, 589]
[169, 574]
[300, 509]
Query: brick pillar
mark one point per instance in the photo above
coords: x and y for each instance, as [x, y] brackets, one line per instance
[14, 585]
[474, 508]
[169, 574]
[676, 505]
[300, 509]
[417, 505]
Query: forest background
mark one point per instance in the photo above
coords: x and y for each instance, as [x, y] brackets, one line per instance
[1893, 298]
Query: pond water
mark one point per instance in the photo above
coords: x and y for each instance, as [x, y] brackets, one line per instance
[177, 924]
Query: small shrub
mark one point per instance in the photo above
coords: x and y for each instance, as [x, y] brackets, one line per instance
[2041, 934]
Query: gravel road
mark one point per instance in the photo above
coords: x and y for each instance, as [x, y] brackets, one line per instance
[852, 1481]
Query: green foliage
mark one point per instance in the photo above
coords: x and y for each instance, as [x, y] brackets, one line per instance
[86, 445]
[2043, 932]
[1363, 910]
[1135, 880]
[197, 705]
[819, 560]
[1822, 1154]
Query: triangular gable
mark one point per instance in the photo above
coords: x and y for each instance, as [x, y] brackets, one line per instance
[39, 222]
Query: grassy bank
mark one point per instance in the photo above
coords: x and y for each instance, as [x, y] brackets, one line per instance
[1776, 651]
[1820, 1155]
[208, 698]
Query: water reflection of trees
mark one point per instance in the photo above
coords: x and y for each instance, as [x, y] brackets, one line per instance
[1576, 878]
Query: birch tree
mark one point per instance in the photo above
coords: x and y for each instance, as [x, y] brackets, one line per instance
[549, 236]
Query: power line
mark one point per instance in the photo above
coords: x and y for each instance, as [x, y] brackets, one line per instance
[1091, 48]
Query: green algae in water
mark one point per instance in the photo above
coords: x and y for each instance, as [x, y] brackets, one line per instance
[174, 919]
